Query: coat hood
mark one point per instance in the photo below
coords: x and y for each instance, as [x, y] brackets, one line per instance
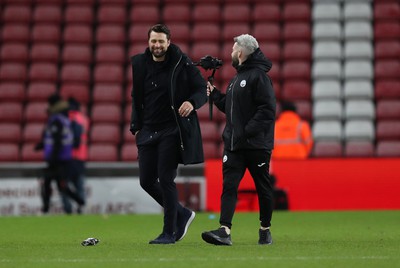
[256, 60]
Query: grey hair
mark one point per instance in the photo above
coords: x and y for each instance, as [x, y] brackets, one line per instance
[247, 42]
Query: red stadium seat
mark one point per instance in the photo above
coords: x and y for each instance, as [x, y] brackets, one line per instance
[79, 14]
[28, 153]
[10, 133]
[40, 91]
[144, 14]
[78, 91]
[13, 72]
[206, 12]
[36, 112]
[44, 53]
[105, 133]
[327, 149]
[236, 12]
[180, 33]
[387, 89]
[205, 32]
[11, 112]
[296, 90]
[136, 48]
[386, 30]
[263, 11]
[107, 33]
[111, 14]
[77, 53]
[77, 34]
[46, 33]
[388, 149]
[14, 52]
[106, 113]
[388, 110]
[108, 73]
[43, 72]
[271, 50]
[107, 93]
[298, 50]
[103, 153]
[388, 130]
[15, 33]
[359, 149]
[12, 92]
[296, 70]
[275, 73]
[304, 108]
[296, 12]
[176, 13]
[387, 49]
[75, 73]
[32, 132]
[297, 31]
[386, 11]
[9, 152]
[200, 50]
[211, 150]
[129, 152]
[47, 14]
[17, 14]
[80, 2]
[109, 53]
[209, 131]
[387, 69]
[138, 33]
[268, 31]
[231, 30]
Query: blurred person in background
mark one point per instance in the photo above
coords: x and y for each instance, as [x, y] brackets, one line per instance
[167, 91]
[80, 128]
[249, 105]
[293, 138]
[57, 144]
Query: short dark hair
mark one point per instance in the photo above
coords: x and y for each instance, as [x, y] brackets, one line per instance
[288, 106]
[160, 28]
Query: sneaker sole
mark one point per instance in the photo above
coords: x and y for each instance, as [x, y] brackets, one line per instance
[187, 225]
[215, 240]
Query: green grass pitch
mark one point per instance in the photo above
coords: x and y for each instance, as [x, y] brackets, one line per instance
[301, 239]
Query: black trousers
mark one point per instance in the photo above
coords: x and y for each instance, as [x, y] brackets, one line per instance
[234, 166]
[158, 162]
[58, 171]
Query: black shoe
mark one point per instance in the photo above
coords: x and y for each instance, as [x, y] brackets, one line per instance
[217, 237]
[265, 237]
[163, 239]
[183, 223]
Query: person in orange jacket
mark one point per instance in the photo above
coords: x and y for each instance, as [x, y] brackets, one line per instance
[293, 137]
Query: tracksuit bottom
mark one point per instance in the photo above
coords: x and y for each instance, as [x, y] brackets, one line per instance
[158, 162]
[235, 164]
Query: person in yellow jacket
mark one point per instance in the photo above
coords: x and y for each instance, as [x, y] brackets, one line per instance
[293, 137]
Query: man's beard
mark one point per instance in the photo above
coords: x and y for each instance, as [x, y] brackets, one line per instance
[235, 62]
[159, 54]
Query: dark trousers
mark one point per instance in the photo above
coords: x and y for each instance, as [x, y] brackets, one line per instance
[158, 163]
[58, 172]
[234, 166]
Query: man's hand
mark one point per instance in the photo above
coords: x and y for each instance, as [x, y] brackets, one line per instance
[185, 109]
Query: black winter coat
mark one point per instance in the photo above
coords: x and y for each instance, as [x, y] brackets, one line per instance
[186, 84]
[249, 105]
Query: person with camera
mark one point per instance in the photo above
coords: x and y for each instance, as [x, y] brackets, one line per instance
[249, 105]
[167, 91]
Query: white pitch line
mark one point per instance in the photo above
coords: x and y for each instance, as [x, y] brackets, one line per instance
[122, 260]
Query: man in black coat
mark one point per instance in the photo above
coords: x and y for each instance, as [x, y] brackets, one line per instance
[249, 105]
[167, 91]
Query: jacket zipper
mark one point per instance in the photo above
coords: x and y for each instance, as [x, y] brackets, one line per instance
[172, 103]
